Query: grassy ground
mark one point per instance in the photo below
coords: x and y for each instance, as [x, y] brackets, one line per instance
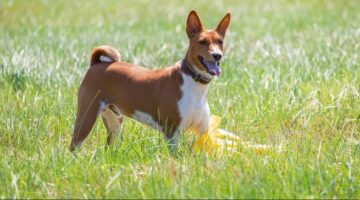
[291, 77]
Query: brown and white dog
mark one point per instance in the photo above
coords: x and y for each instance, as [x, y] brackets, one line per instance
[170, 100]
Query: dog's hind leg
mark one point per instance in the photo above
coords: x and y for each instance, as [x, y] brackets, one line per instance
[112, 120]
[89, 107]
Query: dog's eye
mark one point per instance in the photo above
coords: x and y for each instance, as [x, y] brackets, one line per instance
[203, 42]
[220, 42]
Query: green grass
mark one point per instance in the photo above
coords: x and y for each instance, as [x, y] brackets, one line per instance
[291, 77]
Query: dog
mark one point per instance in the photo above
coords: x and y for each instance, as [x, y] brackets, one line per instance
[170, 100]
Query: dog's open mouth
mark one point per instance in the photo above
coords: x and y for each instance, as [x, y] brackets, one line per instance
[211, 67]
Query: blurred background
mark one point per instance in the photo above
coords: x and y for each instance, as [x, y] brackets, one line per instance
[290, 77]
[60, 35]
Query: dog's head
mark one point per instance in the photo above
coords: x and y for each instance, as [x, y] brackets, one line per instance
[206, 47]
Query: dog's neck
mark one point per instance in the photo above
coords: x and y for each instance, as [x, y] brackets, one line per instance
[191, 71]
[191, 87]
[187, 67]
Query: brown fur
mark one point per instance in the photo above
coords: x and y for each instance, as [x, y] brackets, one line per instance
[125, 88]
[104, 50]
[196, 33]
[129, 88]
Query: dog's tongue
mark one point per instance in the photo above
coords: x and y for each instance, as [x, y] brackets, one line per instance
[213, 68]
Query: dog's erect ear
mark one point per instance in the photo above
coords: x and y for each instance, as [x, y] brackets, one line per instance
[193, 24]
[223, 25]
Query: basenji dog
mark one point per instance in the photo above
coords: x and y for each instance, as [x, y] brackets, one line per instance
[170, 100]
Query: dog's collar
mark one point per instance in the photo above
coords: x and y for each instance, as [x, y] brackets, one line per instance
[195, 75]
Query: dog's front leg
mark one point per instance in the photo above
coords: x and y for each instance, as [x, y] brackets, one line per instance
[172, 140]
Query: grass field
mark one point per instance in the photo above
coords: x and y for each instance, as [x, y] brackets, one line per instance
[291, 77]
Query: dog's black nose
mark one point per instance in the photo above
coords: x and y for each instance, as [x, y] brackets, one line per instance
[216, 56]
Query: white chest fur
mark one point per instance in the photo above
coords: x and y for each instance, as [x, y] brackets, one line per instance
[193, 107]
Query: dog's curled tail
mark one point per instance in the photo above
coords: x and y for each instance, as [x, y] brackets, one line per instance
[104, 54]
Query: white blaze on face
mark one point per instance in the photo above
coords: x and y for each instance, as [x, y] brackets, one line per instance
[216, 50]
[146, 119]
